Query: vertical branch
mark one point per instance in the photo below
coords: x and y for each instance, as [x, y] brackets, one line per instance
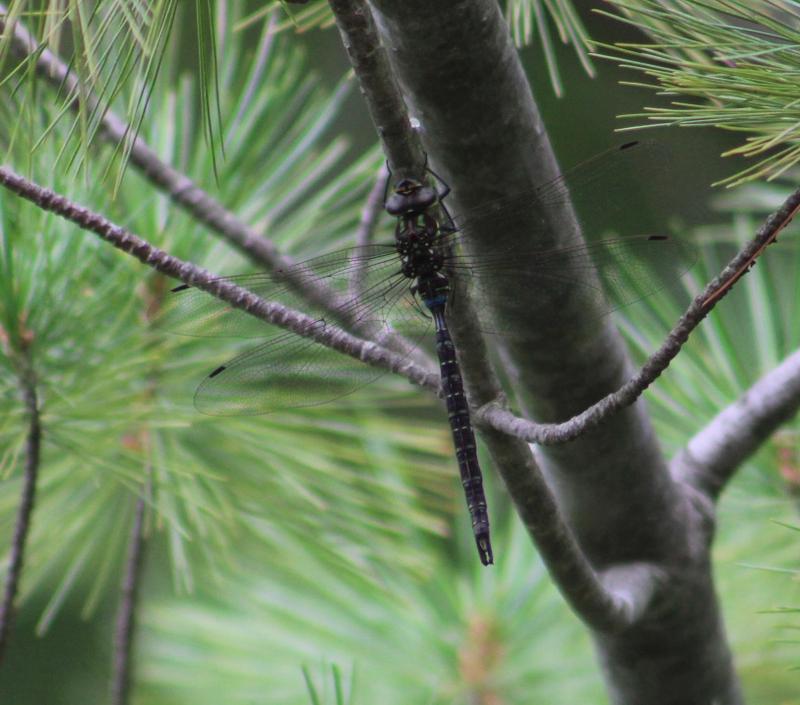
[23, 520]
[366, 229]
[379, 87]
[129, 594]
[152, 293]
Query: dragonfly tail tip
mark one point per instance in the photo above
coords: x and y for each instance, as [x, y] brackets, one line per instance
[485, 549]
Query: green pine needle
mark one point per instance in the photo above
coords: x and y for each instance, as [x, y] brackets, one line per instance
[724, 63]
[529, 17]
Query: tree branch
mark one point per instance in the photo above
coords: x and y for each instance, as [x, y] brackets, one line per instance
[494, 413]
[379, 87]
[608, 601]
[713, 455]
[607, 608]
[370, 216]
[188, 195]
[129, 593]
[535, 503]
[571, 571]
[22, 523]
[462, 77]
[270, 312]
[183, 191]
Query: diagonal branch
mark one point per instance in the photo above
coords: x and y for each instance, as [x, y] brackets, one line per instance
[22, 523]
[495, 415]
[269, 312]
[189, 196]
[607, 601]
[183, 191]
[713, 455]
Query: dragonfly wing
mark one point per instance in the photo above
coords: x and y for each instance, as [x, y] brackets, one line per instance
[285, 372]
[619, 193]
[193, 312]
[627, 178]
[606, 275]
[289, 370]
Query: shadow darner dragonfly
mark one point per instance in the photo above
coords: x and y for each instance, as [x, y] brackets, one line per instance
[425, 264]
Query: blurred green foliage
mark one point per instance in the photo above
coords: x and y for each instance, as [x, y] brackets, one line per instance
[321, 555]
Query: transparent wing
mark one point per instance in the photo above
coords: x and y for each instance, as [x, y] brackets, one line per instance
[635, 176]
[620, 193]
[193, 312]
[284, 372]
[606, 275]
[289, 370]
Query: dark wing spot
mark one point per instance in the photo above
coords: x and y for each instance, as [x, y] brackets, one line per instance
[658, 237]
[628, 145]
[217, 371]
[182, 287]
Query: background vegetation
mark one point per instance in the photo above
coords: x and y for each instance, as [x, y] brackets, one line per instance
[330, 539]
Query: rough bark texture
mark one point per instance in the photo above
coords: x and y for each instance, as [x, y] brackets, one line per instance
[464, 83]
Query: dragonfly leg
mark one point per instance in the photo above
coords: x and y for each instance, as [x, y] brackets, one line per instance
[388, 182]
[445, 187]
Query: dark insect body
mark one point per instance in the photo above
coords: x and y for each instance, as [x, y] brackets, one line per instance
[423, 262]
[291, 370]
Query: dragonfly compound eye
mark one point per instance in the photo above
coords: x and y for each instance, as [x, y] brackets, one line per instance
[410, 196]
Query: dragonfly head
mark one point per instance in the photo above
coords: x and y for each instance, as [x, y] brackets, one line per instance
[410, 196]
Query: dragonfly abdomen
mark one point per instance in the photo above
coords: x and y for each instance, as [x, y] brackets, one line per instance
[463, 435]
[423, 263]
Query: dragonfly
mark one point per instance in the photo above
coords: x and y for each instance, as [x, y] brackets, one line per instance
[409, 287]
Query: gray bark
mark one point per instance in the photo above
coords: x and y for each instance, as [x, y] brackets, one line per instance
[713, 455]
[464, 83]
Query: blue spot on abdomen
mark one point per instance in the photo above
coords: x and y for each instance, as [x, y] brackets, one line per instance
[436, 301]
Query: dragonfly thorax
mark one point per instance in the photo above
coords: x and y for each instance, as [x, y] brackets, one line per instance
[420, 268]
[414, 239]
[415, 233]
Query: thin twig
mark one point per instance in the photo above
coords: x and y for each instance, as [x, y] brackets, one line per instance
[496, 416]
[713, 455]
[178, 186]
[370, 216]
[193, 199]
[270, 312]
[748, 263]
[129, 593]
[378, 84]
[22, 523]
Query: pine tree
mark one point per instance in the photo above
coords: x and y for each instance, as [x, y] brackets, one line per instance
[322, 554]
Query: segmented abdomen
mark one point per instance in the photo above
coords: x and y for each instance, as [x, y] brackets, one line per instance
[464, 441]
